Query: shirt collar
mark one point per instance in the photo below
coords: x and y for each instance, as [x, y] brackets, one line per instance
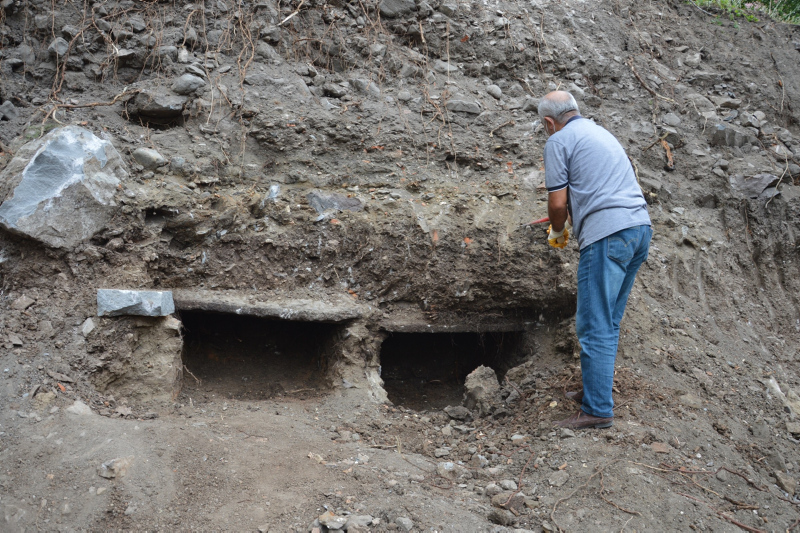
[572, 118]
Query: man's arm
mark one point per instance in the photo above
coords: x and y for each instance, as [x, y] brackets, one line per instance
[557, 208]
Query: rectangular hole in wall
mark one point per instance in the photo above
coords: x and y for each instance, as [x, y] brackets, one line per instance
[252, 358]
[426, 371]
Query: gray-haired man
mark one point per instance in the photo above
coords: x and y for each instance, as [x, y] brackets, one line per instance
[590, 180]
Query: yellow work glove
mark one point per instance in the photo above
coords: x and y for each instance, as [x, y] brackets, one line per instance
[558, 239]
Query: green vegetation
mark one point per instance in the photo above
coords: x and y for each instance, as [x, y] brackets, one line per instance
[785, 10]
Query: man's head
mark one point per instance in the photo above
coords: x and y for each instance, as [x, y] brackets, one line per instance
[555, 109]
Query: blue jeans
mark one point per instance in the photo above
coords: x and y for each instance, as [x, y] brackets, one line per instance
[606, 273]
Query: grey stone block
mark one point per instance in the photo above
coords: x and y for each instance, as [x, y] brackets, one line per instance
[112, 302]
[187, 84]
[62, 187]
[464, 106]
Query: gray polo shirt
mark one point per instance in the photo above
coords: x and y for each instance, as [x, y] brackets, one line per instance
[604, 196]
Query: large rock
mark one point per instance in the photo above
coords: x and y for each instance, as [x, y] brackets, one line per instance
[112, 302]
[59, 189]
[482, 390]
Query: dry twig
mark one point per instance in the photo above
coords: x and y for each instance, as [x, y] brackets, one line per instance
[647, 87]
[724, 516]
[571, 494]
[52, 111]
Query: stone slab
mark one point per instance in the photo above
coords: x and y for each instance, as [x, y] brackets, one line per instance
[331, 309]
[114, 302]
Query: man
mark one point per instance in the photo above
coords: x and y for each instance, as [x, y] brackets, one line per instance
[590, 180]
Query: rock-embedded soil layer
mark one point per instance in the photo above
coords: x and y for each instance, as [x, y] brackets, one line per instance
[366, 169]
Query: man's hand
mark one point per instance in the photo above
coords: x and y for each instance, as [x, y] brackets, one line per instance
[558, 239]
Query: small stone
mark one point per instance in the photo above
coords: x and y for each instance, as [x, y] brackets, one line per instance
[690, 400]
[358, 521]
[671, 119]
[22, 303]
[566, 433]
[793, 427]
[59, 47]
[396, 8]
[660, 447]
[449, 8]
[508, 484]
[495, 92]
[149, 158]
[8, 111]
[693, 60]
[115, 468]
[80, 408]
[365, 87]
[441, 452]
[404, 523]
[332, 521]
[517, 440]
[101, 490]
[451, 471]
[492, 489]
[14, 339]
[501, 517]
[786, 482]
[334, 90]
[458, 412]
[509, 500]
[87, 327]
[444, 67]
[463, 106]
[404, 96]
[187, 84]
[558, 478]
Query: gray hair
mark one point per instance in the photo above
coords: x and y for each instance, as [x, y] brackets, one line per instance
[556, 108]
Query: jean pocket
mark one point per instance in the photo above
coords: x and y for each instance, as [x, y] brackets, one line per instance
[622, 245]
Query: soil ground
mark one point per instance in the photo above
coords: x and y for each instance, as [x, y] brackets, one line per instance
[415, 125]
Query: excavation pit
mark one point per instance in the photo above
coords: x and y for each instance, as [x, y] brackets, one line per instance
[426, 371]
[254, 358]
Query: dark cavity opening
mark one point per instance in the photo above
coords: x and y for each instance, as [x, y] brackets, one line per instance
[426, 371]
[251, 358]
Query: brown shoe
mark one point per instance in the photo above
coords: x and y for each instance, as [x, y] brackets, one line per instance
[581, 420]
[575, 396]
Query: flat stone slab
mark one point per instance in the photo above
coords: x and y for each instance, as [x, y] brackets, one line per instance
[113, 302]
[332, 309]
[414, 321]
